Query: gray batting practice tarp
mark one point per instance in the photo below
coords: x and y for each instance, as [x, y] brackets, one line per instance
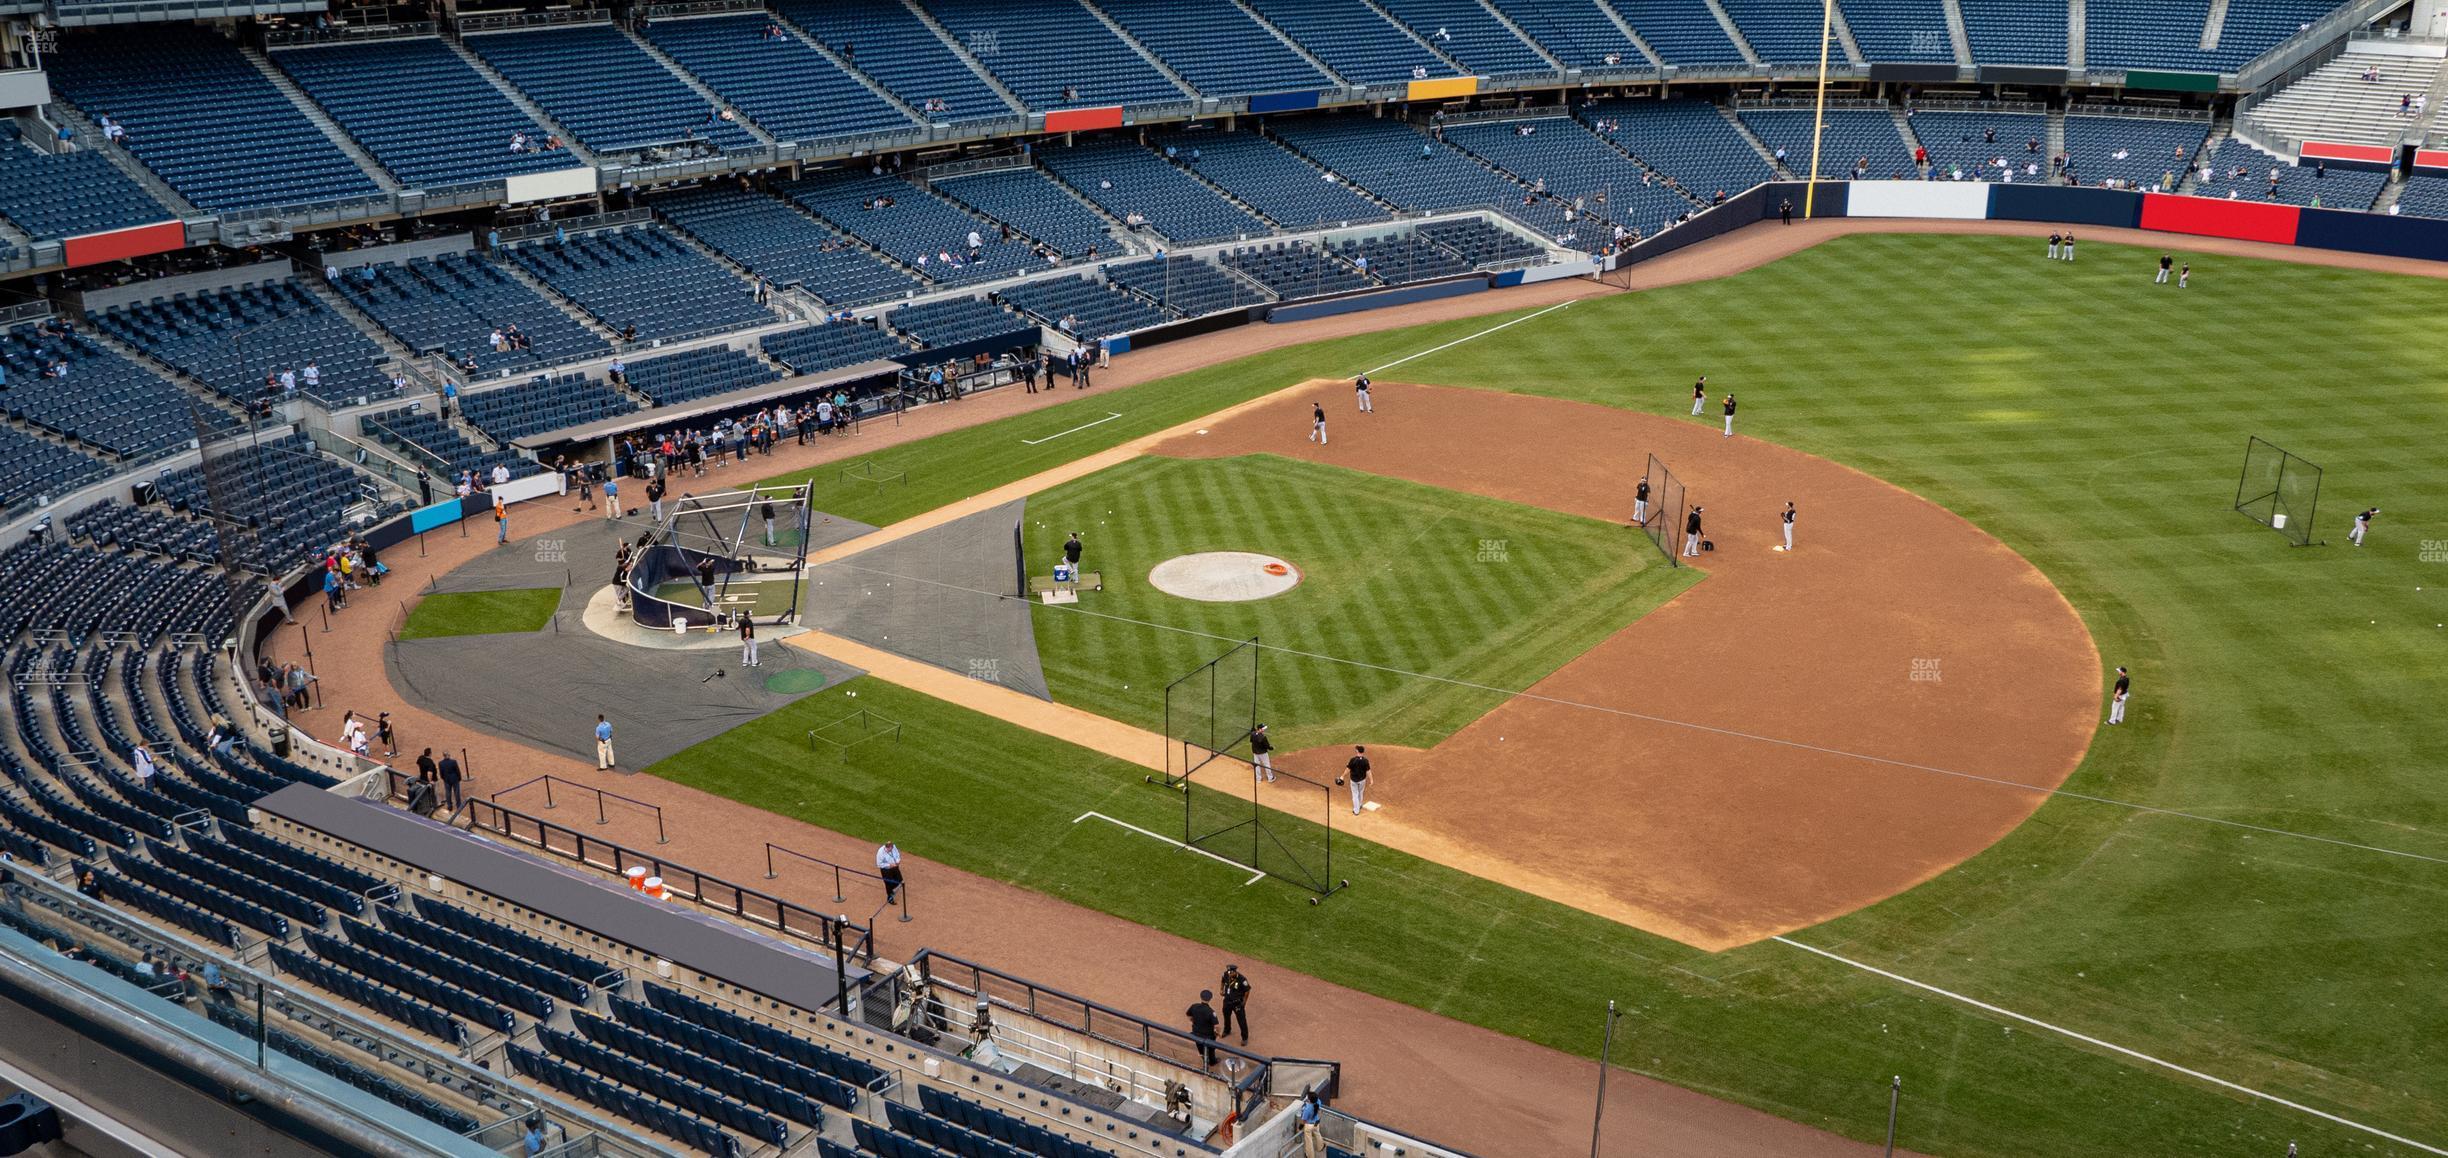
[943, 596]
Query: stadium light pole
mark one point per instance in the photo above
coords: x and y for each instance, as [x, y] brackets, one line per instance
[1606, 1052]
[1827, 31]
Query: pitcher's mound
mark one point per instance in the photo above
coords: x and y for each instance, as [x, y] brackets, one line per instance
[1225, 576]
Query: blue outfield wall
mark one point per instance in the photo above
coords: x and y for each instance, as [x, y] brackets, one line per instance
[1400, 296]
[2378, 233]
[2114, 208]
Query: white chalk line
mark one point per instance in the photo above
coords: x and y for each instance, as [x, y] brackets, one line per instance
[1260, 876]
[1467, 337]
[1110, 416]
[2112, 1047]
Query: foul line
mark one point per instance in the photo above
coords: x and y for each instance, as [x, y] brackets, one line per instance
[1668, 721]
[2112, 1047]
[1074, 430]
[1175, 843]
[1467, 337]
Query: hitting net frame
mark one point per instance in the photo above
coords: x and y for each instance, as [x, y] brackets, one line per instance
[2279, 490]
[1210, 712]
[728, 526]
[1667, 506]
[1282, 827]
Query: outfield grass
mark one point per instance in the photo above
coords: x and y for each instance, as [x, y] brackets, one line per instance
[1393, 574]
[2094, 422]
[508, 612]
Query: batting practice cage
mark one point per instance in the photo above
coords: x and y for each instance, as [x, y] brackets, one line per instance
[1663, 521]
[757, 541]
[2279, 490]
[1283, 828]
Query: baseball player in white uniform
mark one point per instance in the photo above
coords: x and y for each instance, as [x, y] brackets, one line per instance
[1360, 391]
[1699, 395]
[1317, 424]
[1789, 518]
[1640, 504]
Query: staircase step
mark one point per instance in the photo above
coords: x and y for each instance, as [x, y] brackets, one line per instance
[1144, 51]
[977, 66]
[534, 112]
[314, 113]
[699, 87]
[64, 113]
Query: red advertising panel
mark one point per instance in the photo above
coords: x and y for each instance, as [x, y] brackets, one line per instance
[94, 248]
[2213, 217]
[2333, 151]
[2431, 158]
[1076, 120]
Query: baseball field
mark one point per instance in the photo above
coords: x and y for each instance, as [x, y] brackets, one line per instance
[1816, 821]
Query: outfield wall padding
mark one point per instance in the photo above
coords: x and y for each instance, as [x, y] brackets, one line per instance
[2210, 217]
[2114, 208]
[2425, 238]
[1949, 200]
[1398, 296]
[1750, 207]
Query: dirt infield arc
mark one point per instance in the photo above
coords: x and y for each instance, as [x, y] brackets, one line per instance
[1759, 754]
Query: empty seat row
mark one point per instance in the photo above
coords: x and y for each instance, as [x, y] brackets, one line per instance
[819, 348]
[771, 239]
[644, 280]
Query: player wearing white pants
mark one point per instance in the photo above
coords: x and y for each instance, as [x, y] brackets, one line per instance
[1789, 518]
[2166, 265]
[1640, 504]
[1729, 416]
[1262, 754]
[1699, 395]
[2116, 697]
[748, 640]
[1317, 424]
[2362, 525]
[1356, 772]
[1360, 390]
[2069, 245]
[1691, 532]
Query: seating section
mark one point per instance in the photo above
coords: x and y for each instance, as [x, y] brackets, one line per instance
[1296, 269]
[912, 225]
[2425, 195]
[283, 1042]
[2015, 32]
[1466, 32]
[817, 349]
[952, 321]
[2305, 185]
[740, 1076]
[602, 86]
[1905, 31]
[458, 127]
[628, 1103]
[1780, 33]
[789, 89]
[77, 388]
[1575, 32]
[292, 492]
[378, 996]
[1974, 139]
[1215, 46]
[431, 443]
[886, 41]
[234, 340]
[1683, 31]
[112, 523]
[69, 194]
[246, 146]
[2167, 34]
[644, 278]
[1270, 179]
[2338, 103]
[1185, 285]
[1042, 51]
[1480, 243]
[1123, 179]
[1096, 311]
[659, 1083]
[545, 404]
[1411, 171]
[1036, 205]
[1687, 140]
[30, 466]
[1356, 42]
[702, 373]
[82, 590]
[770, 238]
[1561, 157]
[454, 303]
[1863, 139]
[2155, 150]
[2253, 27]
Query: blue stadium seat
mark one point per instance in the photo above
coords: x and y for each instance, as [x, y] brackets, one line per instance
[1096, 310]
[1863, 138]
[886, 41]
[1354, 40]
[233, 339]
[602, 86]
[1682, 31]
[1463, 30]
[2016, 32]
[2425, 195]
[426, 440]
[201, 117]
[1270, 179]
[1185, 285]
[912, 225]
[2151, 147]
[2303, 185]
[1905, 31]
[456, 127]
[30, 466]
[1781, 33]
[1563, 159]
[1215, 46]
[101, 398]
[786, 87]
[700, 373]
[1575, 32]
[1964, 138]
[1122, 179]
[1296, 269]
[514, 412]
[1479, 243]
[1036, 205]
[816, 349]
[453, 303]
[952, 321]
[1687, 140]
[293, 494]
[1042, 50]
[786, 246]
[644, 278]
[69, 194]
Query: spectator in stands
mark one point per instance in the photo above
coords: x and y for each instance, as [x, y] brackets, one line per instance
[142, 758]
[501, 474]
[1203, 1024]
[629, 332]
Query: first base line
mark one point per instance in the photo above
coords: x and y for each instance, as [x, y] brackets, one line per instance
[2112, 1047]
[1074, 430]
[1175, 843]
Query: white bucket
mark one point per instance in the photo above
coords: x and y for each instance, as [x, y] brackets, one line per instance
[2278, 521]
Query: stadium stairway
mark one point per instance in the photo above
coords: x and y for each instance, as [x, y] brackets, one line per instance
[1912, 140]
[519, 274]
[848, 69]
[315, 116]
[1115, 26]
[1734, 33]
[86, 130]
[13, 238]
[520, 100]
[975, 66]
[1744, 131]
[338, 303]
[1957, 34]
[711, 98]
[1298, 49]
[1510, 25]
[2078, 24]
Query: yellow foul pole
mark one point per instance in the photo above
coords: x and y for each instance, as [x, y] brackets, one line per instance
[1827, 32]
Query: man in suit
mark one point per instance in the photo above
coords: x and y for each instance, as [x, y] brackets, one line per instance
[449, 770]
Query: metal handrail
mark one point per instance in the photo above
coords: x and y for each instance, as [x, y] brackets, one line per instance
[548, 780]
[838, 870]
